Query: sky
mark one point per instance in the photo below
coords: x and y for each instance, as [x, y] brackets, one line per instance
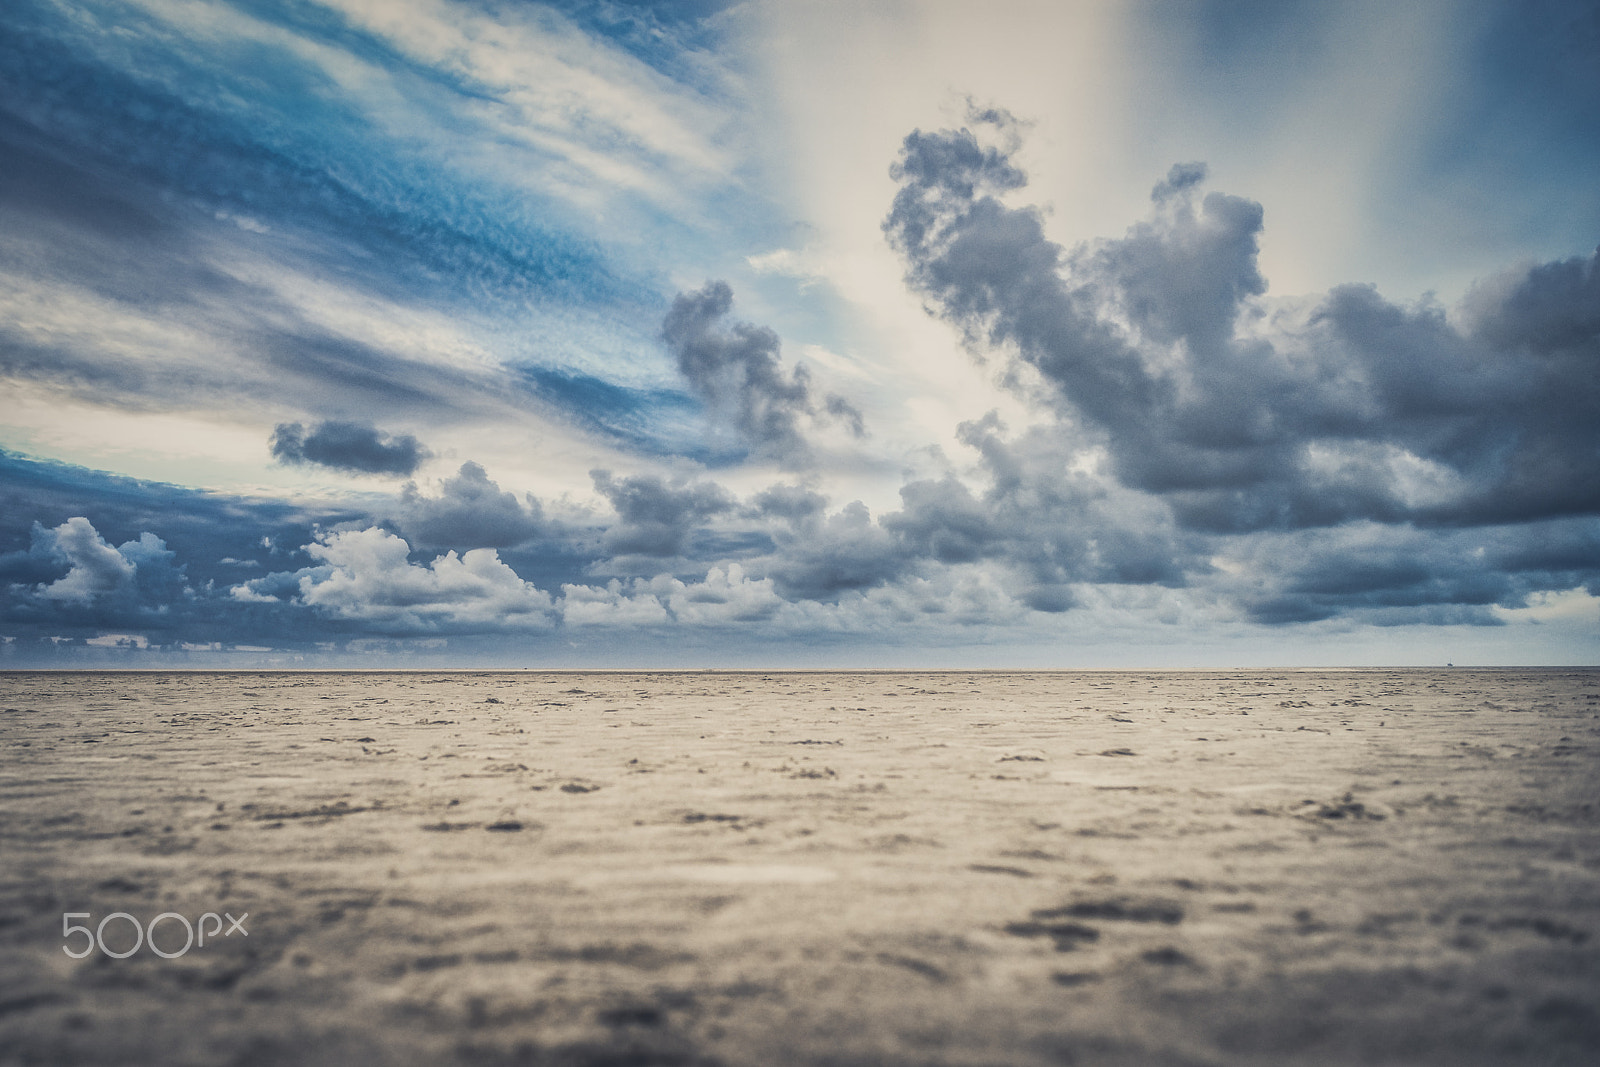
[687, 333]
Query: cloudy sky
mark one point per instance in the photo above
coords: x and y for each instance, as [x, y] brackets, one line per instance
[691, 333]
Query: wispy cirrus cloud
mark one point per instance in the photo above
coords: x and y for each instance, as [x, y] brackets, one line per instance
[326, 210]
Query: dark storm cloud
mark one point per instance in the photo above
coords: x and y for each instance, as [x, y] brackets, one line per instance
[1050, 527]
[1549, 309]
[791, 503]
[132, 588]
[348, 446]
[1356, 458]
[844, 552]
[657, 517]
[846, 413]
[199, 524]
[85, 584]
[942, 520]
[1382, 578]
[736, 369]
[1037, 528]
[1387, 576]
[1363, 410]
[1035, 531]
[471, 511]
[171, 567]
[1182, 176]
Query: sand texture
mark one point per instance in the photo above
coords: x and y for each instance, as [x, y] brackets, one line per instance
[586, 869]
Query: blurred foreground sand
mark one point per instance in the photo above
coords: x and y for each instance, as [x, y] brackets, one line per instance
[587, 869]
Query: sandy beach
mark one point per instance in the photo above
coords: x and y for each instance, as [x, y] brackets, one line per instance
[1013, 868]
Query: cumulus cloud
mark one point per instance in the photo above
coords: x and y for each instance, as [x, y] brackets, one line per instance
[1547, 308]
[1240, 415]
[727, 596]
[792, 503]
[1341, 457]
[95, 567]
[366, 576]
[846, 414]
[1050, 526]
[612, 605]
[737, 370]
[844, 552]
[136, 585]
[657, 517]
[471, 511]
[348, 446]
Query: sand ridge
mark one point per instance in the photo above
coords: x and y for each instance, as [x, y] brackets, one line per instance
[590, 868]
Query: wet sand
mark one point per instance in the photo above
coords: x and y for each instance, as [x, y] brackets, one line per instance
[586, 869]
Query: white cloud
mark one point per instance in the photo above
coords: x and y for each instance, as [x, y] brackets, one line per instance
[609, 119]
[726, 597]
[97, 568]
[366, 575]
[611, 605]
